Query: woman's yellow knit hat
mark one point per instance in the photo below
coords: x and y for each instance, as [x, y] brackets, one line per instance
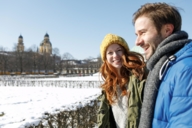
[111, 39]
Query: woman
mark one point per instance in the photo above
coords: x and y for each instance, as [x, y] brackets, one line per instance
[123, 74]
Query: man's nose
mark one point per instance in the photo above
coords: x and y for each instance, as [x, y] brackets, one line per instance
[138, 41]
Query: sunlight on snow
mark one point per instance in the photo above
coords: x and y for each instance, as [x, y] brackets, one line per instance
[22, 106]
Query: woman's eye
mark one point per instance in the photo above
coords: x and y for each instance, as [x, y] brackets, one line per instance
[110, 53]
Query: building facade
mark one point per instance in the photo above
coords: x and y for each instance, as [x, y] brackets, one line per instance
[45, 46]
[20, 45]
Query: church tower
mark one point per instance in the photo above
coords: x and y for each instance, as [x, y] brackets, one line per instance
[20, 46]
[45, 45]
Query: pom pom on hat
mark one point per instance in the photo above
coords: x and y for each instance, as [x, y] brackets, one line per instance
[111, 39]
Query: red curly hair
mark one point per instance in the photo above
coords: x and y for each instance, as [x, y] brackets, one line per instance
[133, 64]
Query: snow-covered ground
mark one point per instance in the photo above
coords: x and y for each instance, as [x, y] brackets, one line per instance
[22, 106]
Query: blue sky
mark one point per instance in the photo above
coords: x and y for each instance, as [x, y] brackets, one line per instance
[74, 26]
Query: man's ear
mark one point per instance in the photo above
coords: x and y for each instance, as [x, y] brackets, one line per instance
[168, 29]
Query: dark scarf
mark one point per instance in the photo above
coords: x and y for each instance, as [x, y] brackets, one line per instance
[166, 48]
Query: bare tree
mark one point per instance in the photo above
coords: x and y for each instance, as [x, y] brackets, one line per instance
[67, 56]
[56, 59]
[55, 51]
[46, 62]
[20, 60]
[99, 61]
[33, 48]
[4, 60]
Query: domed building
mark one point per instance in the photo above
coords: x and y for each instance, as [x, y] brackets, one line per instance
[45, 45]
[20, 45]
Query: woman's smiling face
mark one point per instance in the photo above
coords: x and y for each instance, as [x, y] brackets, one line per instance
[114, 53]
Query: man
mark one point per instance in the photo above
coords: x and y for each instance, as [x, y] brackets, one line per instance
[167, 99]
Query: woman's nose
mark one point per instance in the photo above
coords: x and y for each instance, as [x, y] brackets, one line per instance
[115, 54]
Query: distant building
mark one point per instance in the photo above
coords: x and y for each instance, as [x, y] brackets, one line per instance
[20, 45]
[45, 46]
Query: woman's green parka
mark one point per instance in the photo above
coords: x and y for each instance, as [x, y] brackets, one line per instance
[105, 117]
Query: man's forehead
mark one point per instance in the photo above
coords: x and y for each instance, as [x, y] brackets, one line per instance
[143, 23]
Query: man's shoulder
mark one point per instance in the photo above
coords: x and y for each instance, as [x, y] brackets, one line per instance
[184, 56]
[185, 51]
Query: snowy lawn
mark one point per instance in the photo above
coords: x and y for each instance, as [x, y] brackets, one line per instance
[21, 106]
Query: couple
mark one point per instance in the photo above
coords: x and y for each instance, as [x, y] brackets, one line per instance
[158, 96]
